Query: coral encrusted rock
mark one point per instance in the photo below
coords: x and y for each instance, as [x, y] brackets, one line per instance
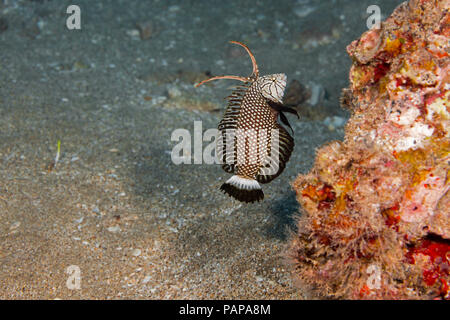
[375, 220]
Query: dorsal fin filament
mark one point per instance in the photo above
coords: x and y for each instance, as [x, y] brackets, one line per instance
[254, 75]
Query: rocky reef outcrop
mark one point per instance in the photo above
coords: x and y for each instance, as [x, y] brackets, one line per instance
[375, 217]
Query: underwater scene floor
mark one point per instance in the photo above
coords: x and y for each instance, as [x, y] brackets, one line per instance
[107, 203]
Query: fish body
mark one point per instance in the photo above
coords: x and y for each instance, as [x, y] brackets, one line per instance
[252, 144]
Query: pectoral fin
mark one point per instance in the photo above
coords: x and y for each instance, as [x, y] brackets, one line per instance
[281, 108]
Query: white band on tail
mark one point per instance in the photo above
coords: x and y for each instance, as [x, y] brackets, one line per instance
[243, 183]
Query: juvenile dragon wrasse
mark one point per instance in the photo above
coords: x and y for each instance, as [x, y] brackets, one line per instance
[252, 144]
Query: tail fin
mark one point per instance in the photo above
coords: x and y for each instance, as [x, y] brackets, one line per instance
[243, 189]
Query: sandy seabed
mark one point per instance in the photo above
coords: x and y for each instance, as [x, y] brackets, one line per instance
[115, 206]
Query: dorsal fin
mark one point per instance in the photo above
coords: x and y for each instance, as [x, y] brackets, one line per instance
[229, 122]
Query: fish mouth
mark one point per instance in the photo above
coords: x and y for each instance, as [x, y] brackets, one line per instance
[277, 101]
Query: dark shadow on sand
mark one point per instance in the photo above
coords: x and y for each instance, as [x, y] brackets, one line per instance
[283, 212]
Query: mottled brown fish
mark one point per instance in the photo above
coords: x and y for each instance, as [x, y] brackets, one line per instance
[252, 144]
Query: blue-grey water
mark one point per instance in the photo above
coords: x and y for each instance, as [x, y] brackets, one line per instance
[111, 202]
